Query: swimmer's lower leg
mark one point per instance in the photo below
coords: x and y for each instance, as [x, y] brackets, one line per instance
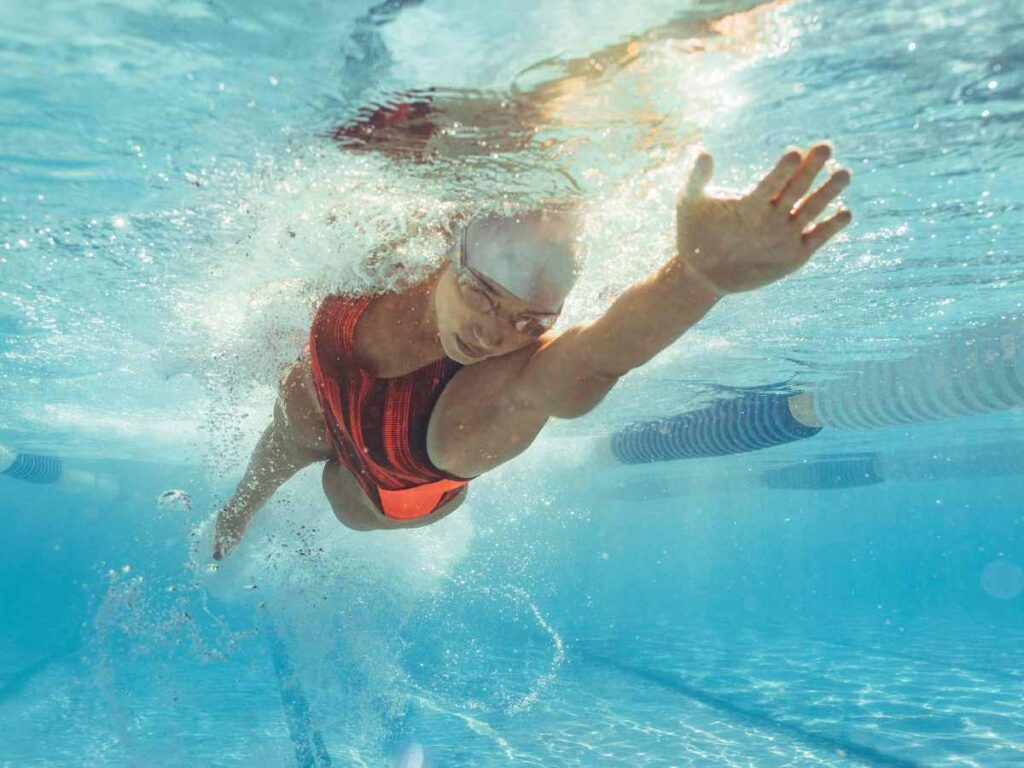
[748, 423]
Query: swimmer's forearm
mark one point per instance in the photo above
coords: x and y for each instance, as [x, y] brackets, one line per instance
[729, 245]
[569, 375]
[253, 493]
[646, 319]
[274, 460]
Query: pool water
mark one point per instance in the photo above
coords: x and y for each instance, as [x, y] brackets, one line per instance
[172, 204]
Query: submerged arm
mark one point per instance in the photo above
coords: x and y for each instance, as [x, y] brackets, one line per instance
[274, 461]
[285, 447]
[723, 246]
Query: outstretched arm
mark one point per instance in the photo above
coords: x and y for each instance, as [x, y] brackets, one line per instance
[724, 245]
[274, 461]
[291, 442]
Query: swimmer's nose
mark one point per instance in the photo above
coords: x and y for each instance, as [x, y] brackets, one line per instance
[487, 336]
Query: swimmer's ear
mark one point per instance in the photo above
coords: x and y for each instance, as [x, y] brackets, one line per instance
[703, 168]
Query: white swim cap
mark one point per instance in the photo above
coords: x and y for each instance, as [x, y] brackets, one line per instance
[534, 255]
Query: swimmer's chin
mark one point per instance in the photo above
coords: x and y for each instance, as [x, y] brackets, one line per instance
[451, 350]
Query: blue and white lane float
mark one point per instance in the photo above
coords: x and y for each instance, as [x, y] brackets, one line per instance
[827, 473]
[932, 465]
[52, 470]
[974, 372]
[738, 425]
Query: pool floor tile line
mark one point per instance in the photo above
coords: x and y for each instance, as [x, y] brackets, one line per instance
[874, 648]
[15, 682]
[854, 750]
[310, 750]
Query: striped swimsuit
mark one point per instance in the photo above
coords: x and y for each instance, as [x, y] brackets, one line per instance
[378, 427]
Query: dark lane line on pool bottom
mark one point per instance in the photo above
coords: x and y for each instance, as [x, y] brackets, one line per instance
[851, 749]
[310, 751]
[13, 683]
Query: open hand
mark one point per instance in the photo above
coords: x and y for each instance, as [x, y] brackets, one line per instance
[738, 244]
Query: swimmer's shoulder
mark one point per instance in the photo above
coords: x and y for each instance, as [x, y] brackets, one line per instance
[506, 372]
[363, 348]
[379, 345]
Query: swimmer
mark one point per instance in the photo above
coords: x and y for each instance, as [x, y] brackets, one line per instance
[410, 395]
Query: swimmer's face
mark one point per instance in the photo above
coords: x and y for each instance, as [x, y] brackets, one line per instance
[478, 317]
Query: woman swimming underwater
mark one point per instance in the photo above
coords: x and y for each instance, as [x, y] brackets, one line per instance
[409, 395]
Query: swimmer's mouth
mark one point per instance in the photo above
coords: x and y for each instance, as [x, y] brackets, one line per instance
[467, 350]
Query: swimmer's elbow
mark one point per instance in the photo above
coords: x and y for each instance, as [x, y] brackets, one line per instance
[567, 376]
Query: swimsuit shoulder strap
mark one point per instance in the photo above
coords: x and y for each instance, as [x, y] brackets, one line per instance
[337, 317]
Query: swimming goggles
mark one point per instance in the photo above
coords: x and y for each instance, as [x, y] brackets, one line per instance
[482, 296]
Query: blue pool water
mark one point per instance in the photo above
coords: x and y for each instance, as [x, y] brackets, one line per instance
[171, 206]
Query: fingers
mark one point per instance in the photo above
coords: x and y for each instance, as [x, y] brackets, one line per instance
[226, 536]
[818, 201]
[701, 174]
[220, 549]
[775, 181]
[224, 548]
[822, 232]
[802, 179]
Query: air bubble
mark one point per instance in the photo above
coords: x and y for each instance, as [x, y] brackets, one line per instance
[175, 500]
[1002, 580]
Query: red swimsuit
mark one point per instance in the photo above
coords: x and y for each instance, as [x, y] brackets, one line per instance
[378, 427]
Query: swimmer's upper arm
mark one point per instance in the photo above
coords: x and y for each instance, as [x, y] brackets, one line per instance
[558, 379]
